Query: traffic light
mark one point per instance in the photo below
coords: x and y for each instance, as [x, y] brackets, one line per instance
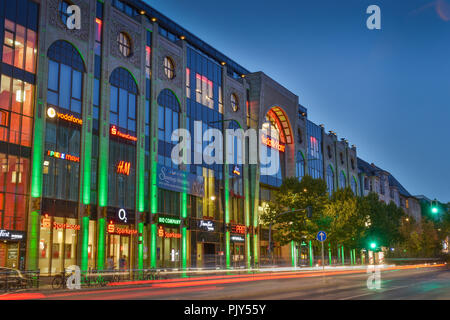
[434, 207]
[373, 245]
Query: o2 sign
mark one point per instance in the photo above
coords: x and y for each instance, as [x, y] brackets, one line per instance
[123, 215]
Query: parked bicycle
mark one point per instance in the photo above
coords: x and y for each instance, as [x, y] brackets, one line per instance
[59, 281]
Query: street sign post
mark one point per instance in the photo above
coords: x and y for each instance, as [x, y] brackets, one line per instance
[322, 236]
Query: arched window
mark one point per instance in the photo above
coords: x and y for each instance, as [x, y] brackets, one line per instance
[169, 68]
[122, 102]
[65, 76]
[65, 82]
[122, 148]
[300, 166]
[330, 180]
[168, 121]
[276, 133]
[342, 180]
[124, 42]
[353, 185]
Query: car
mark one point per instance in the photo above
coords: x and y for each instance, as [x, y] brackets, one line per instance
[12, 279]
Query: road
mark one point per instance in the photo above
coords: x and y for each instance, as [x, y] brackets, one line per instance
[426, 282]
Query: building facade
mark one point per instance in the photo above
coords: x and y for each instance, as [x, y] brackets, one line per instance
[381, 182]
[87, 117]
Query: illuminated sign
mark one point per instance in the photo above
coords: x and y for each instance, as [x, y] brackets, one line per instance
[124, 168]
[52, 113]
[113, 229]
[66, 226]
[46, 224]
[11, 235]
[238, 228]
[169, 220]
[115, 132]
[123, 215]
[273, 143]
[235, 238]
[64, 156]
[164, 234]
[207, 225]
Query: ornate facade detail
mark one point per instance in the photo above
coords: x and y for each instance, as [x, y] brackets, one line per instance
[55, 20]
[116, 27]
[177, 60]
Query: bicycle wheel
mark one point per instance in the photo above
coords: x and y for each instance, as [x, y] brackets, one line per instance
[57, 282]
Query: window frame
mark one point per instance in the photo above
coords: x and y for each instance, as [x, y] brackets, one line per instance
[169, 67]
[125, 45]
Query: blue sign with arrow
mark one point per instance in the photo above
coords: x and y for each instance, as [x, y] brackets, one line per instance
[321, 236]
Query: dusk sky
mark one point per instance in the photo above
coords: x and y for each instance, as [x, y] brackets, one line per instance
[387, 91]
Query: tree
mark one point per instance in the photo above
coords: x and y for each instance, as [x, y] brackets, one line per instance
[296, 195]
[384, 221]
[346, 223]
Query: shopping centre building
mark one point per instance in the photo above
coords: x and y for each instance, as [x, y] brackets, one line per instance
[86, 121]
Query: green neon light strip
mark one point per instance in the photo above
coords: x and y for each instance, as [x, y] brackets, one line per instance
[311, 257]
[248, 249]
[141, 246]
[227, 249]
[101, 244]
[227, 213]
[342, 255]
[329, 253]
[183, 231]
[153, 246]
[84, 243]
[33, 241]
[87, 170]
[255, 249]
[36, 174]
[103, 173]
[293, 254]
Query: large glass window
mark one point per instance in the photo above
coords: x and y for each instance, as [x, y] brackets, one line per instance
[353, 185]
[315, 156]
[122, 152]
[300, 166]
[16, 108]
[65, 77]
[121, 183]
[330, 180]
[19, 46]
[168, 121]
[342, 180]
[14, 182]
[61, 173]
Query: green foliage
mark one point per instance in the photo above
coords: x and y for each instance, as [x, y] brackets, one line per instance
[384, 221]
[296, 195]
[352, 221]
[346, 225]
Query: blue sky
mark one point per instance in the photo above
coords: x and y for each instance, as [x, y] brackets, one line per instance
[387, 91]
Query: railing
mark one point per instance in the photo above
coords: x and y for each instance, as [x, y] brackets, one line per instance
[16, 280]
[101, 278]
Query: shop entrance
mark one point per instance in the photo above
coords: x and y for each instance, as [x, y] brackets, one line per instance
[238, 254]
[118, 253]
[9, 255]
[209, 255]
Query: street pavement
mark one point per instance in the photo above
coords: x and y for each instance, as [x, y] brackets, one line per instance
[410, 283]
